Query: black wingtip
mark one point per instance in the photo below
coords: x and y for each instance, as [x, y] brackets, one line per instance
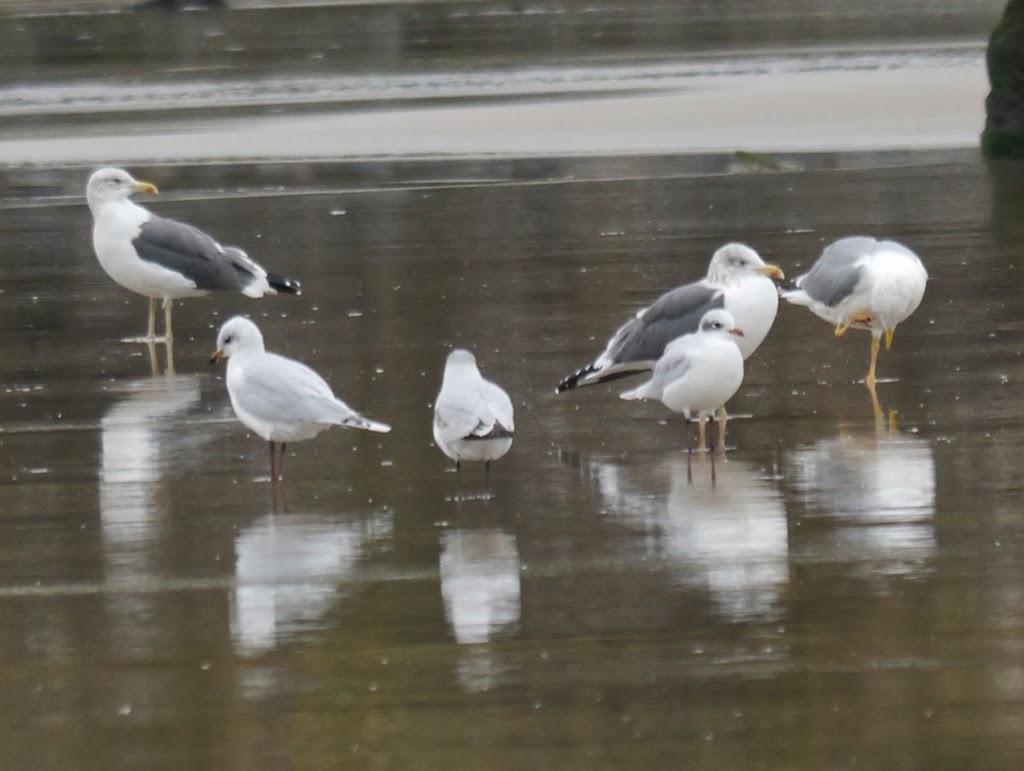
[284, 285]
[572, 381]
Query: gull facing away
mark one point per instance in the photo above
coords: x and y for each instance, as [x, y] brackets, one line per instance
[473, 418]
[164, 259]
[699, 372]
[737, 280]
[863, 283]
[279, 399]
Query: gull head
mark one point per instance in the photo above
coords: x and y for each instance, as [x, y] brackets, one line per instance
[734, 261]
[719, 322]
[237, 335]
[460, 362]
[111, 184]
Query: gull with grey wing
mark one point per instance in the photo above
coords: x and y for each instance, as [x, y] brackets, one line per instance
[473, 417]
[164, 259]
[279, 399]
[863, 283]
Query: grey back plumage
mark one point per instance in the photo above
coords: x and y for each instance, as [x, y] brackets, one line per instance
[279, 389]
[675, 313]
[187, 250]
[835, 275]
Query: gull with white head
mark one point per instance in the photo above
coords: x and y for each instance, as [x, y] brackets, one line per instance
[863, 283]
[737, 280]
[279, 399]
[699, 372]
[163, 259]
[473, 417]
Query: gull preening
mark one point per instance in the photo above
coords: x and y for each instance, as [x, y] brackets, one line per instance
[164, 259]
[863, 283]
[699, 372]
[737, 280]
[279, 399]
[473, 417]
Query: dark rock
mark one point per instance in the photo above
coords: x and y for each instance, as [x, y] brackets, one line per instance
[1004, 127]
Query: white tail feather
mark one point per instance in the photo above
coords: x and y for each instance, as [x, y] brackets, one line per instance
[357, 421]
[639, 392]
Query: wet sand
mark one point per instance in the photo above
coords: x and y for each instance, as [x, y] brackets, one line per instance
[843, 593]
[912, 107]
[841, 590]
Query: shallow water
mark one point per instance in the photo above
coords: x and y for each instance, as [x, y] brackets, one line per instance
[842, 593]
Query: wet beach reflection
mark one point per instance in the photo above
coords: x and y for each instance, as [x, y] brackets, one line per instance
[875, 492]
[481, 591]
[141, 438]
[289, 570]
[726, 536]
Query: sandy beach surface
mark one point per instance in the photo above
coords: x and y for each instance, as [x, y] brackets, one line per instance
[918, 105]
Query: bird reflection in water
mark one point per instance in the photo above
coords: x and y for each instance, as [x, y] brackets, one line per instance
[729, 538]
[140, 439]
[289, 570]
[879, 487]
[140, 436]
[480, 588]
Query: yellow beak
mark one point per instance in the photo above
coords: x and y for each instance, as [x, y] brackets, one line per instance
[216, 356]
[772, 271]
[145, 187]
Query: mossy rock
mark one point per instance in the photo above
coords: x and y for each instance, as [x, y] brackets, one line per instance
[1004, 125]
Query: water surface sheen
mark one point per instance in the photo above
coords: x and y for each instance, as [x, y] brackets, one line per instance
[841, 594]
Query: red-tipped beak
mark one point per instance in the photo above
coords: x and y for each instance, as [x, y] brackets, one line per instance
[737, 331]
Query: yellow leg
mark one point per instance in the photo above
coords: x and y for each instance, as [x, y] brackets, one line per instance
[723, 418]
[154, 365]
[870, 380]
[702, 442]
[841, 329]
[876, 406]
[888, 338]
[151, 332]
[168, 335]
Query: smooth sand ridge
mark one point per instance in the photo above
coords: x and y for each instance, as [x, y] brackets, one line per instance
[911, 107]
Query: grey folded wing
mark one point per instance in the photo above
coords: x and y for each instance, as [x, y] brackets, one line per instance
[836, 274]
[500, 406]
[189, 251]
[456, 419]
[672, 366]
[675, 313]
[281, 389]
[482, 411]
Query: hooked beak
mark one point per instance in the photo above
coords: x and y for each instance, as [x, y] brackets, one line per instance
[144, 187]
[216, 356]
[772, 271]
[737, 332]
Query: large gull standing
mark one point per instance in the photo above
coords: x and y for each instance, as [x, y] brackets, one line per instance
[863, 283]
[164, 259]
[279, 399]
[699, 372]
[737, 280]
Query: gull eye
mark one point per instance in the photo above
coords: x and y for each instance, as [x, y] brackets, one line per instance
[229, 339]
